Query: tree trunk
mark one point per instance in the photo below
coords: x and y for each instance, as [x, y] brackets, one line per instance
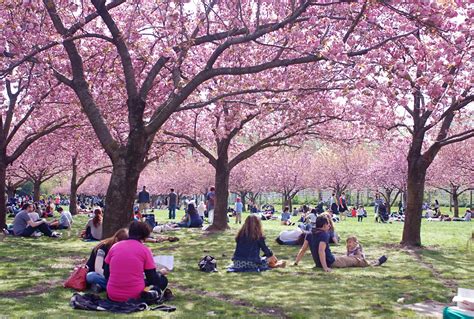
[73, 189]
[415, 192]
[121, 194]
[470, 199]
[388, 198]
[455, 195]
[36, 190]
[3, 207]
[73, 200]
[10, 191]
[243, 196]
[358, 198]
[222, 195]
[286, 200]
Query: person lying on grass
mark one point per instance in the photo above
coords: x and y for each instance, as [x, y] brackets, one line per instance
[318, 243]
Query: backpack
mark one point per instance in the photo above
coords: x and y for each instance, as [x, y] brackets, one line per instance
[150, 220]
[208, 264]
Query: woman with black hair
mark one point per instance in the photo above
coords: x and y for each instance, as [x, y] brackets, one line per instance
[126, 263]
[192, 218]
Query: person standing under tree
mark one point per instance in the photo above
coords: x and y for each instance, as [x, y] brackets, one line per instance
[343, 205]
[143, 200]
[210, 202]
[238, 210]
[172, 201]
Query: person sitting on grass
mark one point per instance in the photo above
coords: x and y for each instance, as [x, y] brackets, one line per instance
[354, 248]
[95, 277]
[250, 240]
[286, 217]
[94, 226]
[65, 220]
[333, 236]
[318, 243]
[24, 226]
[192, 218]
[467, 216]
[48, 212]
[127, 262]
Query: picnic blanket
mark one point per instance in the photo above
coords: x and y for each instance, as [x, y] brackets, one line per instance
[93, 302]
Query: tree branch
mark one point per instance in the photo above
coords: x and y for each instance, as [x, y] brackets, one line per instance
[195, 143]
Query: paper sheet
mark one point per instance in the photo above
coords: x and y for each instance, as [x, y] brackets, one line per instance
[164, 261]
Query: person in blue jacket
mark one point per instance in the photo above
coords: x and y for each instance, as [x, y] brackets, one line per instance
[250, 241]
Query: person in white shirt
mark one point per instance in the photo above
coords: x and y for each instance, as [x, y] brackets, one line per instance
[361, 213]
[291, 237]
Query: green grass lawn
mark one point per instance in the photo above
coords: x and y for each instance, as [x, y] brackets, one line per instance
[32, 272]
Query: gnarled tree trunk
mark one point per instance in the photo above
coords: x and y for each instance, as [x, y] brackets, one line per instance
[455, 195]
[222, 194]
[3, 208]
[73, 188]
[415, 191]
[36, 189]
[120, 196]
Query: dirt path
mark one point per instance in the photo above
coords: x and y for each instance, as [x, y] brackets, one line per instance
[269, 311]
[39, 288]
[448, 283]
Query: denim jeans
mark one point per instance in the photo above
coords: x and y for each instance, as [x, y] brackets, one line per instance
[210, 217]
[44, 228]
[96, 278]
[172, 212]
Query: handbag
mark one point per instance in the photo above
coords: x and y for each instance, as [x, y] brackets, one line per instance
[208, 264]
[77, 280]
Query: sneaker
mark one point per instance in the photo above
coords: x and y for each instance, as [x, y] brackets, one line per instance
[382, 260]
[55, 235]
[173, 239]
[36, 234]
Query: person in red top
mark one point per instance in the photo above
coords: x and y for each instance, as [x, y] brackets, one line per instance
[126, 263]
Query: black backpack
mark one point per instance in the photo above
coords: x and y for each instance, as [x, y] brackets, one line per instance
[208, 264]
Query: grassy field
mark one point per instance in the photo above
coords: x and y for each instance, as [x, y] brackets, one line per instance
[32, 272]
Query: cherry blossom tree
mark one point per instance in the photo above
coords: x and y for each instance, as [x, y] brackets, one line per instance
[422, 85]
[23, 120]
[95, 185]
[387, 170]
[39, 164]
[452, 170]
[13, 181]
[238, 132]
[246, 179]
[339, 166]
[159, 58]
[186, 174]
[287, 173]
